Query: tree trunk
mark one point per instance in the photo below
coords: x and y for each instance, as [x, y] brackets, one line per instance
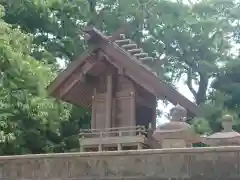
[92, 8]
[200, 93]
[202, 90]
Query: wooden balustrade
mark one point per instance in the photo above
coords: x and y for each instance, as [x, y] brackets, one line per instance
[116, 131]
[118, 137]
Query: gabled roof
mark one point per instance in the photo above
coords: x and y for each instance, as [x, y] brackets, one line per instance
[119, 53]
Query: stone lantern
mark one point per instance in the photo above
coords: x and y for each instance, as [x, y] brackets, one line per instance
[226, 137]
[176, 133]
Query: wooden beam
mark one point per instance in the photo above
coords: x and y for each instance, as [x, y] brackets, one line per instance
[75, 78]
[72, 67]
[120, 69]
[133, 110]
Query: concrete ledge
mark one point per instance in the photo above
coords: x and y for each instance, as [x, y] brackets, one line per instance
[212, 163]
[130, 152]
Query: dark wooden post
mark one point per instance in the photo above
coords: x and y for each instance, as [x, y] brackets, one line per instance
[93, 116]
[133, 111]
[109, 101]
[113, 112]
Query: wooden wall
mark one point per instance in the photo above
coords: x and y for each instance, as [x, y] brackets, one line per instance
[100, 111]
[125, 98]
[125, 103]
[98, 104]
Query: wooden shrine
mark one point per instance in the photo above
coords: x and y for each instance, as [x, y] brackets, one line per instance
[110, 78]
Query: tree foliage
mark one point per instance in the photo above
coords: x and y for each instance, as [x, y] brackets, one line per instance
[30, 122]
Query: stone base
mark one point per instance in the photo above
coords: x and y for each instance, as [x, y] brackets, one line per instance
[218, 163]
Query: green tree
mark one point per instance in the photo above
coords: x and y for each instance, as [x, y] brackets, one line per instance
[26, 114]
[228, 83]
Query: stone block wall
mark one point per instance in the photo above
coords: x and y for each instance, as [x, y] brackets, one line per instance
[222, 163]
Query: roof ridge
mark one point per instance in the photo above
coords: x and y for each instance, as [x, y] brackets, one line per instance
[139, 54]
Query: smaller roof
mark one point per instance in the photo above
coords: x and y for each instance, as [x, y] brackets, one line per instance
[69, 87]
[173, 126]
[226, 136]
[222, 139]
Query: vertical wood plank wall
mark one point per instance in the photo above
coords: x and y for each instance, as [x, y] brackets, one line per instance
[118, 108]
[125, 103]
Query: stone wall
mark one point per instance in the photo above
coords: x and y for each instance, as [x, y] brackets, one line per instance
[221, 163]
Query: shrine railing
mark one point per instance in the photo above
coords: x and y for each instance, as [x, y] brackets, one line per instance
[113, 132]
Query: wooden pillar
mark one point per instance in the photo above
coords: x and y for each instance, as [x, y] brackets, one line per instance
[100, 147]
[113, 112]
[133, 111]
[154, 118]
[81, 148]
[93, 115]
[139, 146]
[109, 101]
[119, 147]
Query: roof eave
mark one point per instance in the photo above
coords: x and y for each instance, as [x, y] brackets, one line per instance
[65, 74]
